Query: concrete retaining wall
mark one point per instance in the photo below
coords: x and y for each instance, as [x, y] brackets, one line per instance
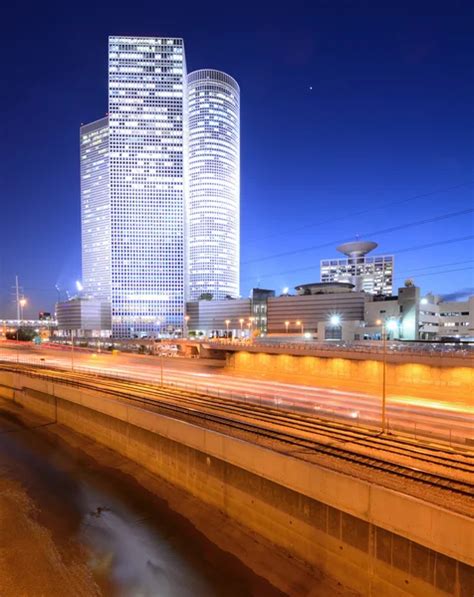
[372, 540]
[412, 379]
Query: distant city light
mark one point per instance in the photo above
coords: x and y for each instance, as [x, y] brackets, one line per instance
[424, 301]
[335, 320]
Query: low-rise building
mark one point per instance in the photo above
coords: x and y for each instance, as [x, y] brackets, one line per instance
[87, 318]
[335, 311]
[313, 304]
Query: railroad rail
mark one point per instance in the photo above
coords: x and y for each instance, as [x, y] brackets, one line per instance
[302, 433]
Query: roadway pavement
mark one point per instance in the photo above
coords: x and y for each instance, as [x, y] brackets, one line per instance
[450, 420]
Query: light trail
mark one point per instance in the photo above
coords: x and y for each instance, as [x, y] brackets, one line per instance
[451, 421]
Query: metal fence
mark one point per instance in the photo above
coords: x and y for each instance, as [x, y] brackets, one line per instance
[434, 431]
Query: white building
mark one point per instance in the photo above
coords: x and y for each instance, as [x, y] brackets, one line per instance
[446, 319]
[214, 184]
[87, 317]
[147, 80]
[95, 209]
[373, 275]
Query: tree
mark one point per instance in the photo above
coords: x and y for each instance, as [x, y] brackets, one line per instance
[22, 334]
[205, 296]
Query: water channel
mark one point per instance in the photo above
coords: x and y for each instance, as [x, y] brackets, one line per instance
[70, 525]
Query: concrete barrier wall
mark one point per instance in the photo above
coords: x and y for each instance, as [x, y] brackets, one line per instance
[344, 528]
[413, 379]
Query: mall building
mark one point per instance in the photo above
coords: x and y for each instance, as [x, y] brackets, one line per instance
[334, 311]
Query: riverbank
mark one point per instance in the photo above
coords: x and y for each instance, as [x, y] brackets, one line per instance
[30, 561]
[192, 559]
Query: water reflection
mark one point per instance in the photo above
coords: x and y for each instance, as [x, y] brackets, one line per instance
[134, 544]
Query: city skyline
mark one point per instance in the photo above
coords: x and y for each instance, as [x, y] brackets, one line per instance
[160, 187]
[299, 180]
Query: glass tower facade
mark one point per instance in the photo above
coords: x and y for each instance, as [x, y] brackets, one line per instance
[213, 218]
[95, 209]
[147, 87]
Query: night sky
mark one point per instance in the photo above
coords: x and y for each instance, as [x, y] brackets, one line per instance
[357, 119]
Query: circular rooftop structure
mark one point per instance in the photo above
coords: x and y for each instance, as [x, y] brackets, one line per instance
[324, 288]
[357, 248]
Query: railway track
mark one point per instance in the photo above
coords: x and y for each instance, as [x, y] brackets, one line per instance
[302, 433]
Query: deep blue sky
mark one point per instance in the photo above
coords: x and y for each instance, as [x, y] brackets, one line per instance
[390, 116]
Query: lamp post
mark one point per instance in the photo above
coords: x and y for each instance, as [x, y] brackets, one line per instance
[158, 323]
[390, 325]
[251, 320]
[301, 325]
[186, 330]
[72, 350]
[22, 304]
[287, 324]
[227, 321]
[241, 321]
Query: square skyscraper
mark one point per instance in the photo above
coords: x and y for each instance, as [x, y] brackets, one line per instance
[147, 140]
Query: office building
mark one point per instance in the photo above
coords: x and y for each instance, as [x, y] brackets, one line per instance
[147, 136]
[233, 317]
[373, 275]
[214, 185]
[446, 319]
[95, 209]
[86, 317]
[314, 303]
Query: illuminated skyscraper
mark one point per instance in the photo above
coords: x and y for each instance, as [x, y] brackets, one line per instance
[95, 209]
[147, 80]
[214, 184]
[373, 275]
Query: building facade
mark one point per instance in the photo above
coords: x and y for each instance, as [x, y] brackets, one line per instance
[373, 275]
[337, 312]
[88, 318]
[95, 209]
[214, 185]
[147, 90]
[314, 303]
[446, 319]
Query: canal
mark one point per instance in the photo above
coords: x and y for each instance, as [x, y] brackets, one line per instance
[71, 524]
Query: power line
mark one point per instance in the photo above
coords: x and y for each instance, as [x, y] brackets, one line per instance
[447, 271]
[364, 211]
[406, 250]
[366, 234]
[438, 265]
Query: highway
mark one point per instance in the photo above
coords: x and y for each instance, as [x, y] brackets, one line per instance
[449, 421]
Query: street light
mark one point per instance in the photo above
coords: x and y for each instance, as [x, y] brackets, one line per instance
[335, 320]
[241, 321]
[390, 325]
[251, 319]
[227, 321]
[287, 323]
[300, 324]
[72, 350]
[158, 323]
[186, 321]
[23, 302]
